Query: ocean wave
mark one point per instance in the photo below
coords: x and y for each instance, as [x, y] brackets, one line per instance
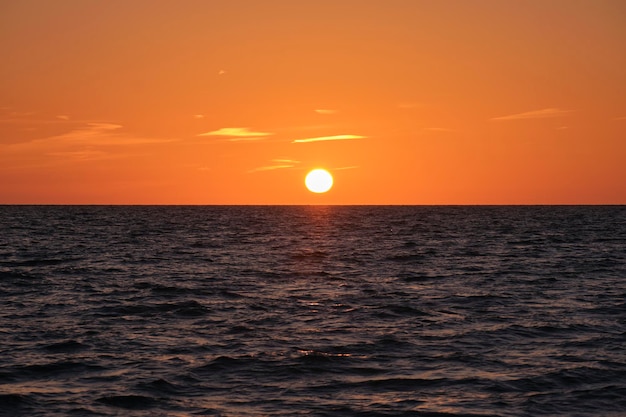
[329, 311]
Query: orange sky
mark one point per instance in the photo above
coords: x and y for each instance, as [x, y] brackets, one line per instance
[208, 101]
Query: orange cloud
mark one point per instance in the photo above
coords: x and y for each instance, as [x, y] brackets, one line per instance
[243, 133]
[86, 142]
[269, 168]
[278, 164]
[326, 138]
[535, 114]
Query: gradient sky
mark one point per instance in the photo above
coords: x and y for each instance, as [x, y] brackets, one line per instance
[233, 101]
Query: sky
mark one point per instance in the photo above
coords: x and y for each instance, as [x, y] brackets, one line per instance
[234, 101]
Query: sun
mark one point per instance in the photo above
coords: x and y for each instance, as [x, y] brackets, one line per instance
[318, 181]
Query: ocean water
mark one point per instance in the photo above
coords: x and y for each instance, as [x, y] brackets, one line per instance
[312, 311]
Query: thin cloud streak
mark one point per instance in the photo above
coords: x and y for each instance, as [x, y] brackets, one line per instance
[102, 134]
[326, 111]
[34, 122]
[535, 114]
[270, 168]
[90, 133]
[84, 155]
[328, 138]
[285, 161]
[279, 164]
[236, 132]
[92, 141]
[246, 139]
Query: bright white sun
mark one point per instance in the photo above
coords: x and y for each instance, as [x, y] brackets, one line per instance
[318, 181]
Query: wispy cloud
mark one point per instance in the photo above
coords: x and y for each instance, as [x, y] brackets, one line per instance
[28, 119]
[535, 114]
[327, 138]
[83, 155]
[286, 161]
[278, 164]
[85, 134]
[326, 111]
[269, 168]
[620, 118]
[102, 134]
[237, 133]
[89, 141]
[90, 130]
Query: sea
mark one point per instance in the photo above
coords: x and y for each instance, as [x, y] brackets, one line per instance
[313, 311]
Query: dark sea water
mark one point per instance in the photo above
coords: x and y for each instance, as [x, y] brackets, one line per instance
[312, 311]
